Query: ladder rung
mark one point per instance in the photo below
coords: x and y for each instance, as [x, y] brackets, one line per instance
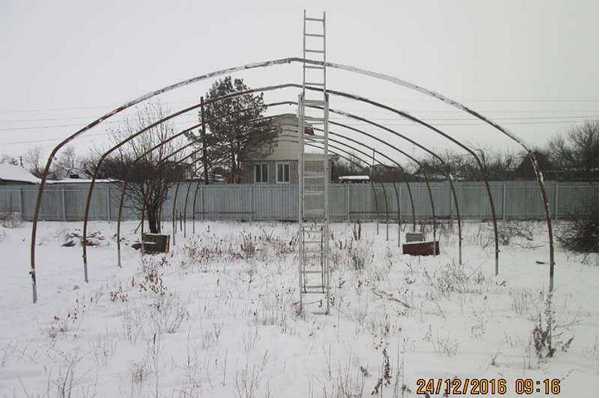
[312, 241]
[314, 35]
[313, 193]
[313, 19]
[316, 175]
[313, 119]
[313, 67]
[314, 287]
[314, 103]
[314, 84]
[308, 50]
[312, 272]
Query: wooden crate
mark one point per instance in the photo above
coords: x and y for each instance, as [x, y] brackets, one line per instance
[421, 248]
[415, 237]
[156, 243]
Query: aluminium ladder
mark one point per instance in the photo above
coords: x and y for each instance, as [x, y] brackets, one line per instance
[313, 170]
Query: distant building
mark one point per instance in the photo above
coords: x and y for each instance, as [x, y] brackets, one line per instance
[16, 175]
[353, 179]
[280, 164]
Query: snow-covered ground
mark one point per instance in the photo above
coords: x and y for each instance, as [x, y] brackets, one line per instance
[217, 316]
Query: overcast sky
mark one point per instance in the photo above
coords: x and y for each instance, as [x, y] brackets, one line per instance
[531, 65]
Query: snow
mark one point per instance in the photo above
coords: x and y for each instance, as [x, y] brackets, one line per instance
[221, 320]
[8, 172]
[354, 178]
[80, 181]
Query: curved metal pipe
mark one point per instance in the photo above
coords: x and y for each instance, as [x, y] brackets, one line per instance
[153, 125]
[380, 76]
[268, 88]
[138, 133]
[350, 160]
[266, 105]
[185, 202]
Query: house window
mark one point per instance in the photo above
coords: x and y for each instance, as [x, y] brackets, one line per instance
[261, 174]
[283, 173]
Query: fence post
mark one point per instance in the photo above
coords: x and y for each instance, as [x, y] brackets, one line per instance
[21, 203]
[251, 202]
[63, 203]
[10, 202]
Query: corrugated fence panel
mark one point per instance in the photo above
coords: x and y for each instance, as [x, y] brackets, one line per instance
[512, 200]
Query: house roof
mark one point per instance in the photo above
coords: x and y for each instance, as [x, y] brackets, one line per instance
[354, 178]
[10, 173]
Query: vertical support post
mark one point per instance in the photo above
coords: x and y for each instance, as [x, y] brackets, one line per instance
[63, 204]
[203, 137]
[174, 213]
[251, 202]
[348, 201]
[301, 182]
[108, 209]
[22, 203]
[375, 194]
[504, 200]
[556, 189]
[202, 203]
[399, 203]
[10, 202]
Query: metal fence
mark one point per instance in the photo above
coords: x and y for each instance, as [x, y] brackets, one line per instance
[513, 200]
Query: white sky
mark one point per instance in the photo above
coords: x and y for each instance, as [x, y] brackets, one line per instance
[530, 65]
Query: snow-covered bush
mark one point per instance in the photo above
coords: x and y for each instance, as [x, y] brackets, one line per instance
[248, 245]
[580, 234]
[168, 313]
[454, 278]
[11, 219]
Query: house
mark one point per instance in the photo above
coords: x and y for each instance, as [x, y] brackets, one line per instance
[278, 160]
[16, 175]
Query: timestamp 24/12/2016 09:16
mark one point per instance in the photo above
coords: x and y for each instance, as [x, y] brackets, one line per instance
[456, 386]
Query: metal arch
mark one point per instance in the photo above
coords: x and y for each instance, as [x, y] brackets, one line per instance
[361, 152]
[422, 147]
[448, 137]
[448, 175]
[273, 104]
[291, 139]
[138, 133]
[167, 140]
[281, 61]
[180, 149]
[185, 202]
[403, 153]
[268, 88]
[177, 186]
[393, 161]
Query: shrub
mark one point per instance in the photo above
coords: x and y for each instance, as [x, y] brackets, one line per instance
[11, 219]
[248, 245]
[581, 233]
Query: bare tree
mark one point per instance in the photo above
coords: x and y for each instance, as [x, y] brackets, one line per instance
[9, 160]
[151, 176]
[67, 164]
[34, 162]
[576, 155]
